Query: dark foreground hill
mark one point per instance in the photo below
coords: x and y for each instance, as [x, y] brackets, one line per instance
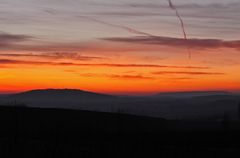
[54, 133]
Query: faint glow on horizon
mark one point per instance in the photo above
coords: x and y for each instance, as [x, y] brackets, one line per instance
[49, 32]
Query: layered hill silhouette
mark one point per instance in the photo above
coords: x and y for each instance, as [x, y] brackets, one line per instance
[191, 94]
[76, 127]
[211, 105]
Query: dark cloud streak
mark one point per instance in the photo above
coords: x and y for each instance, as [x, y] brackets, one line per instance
[54, 55]
[24, 62]
[9, 39]
[186, 73]
[117, 76]
[169, 41]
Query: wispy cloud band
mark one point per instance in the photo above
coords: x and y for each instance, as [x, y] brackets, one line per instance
[22, 62]
[179, 42]
[9, 39]
[186, 73]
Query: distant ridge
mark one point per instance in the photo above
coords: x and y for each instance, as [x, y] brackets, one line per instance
[59, 94]
[175, 105]
[187, 94]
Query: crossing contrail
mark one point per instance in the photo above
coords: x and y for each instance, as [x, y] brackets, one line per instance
[118, 26]
[135, 31]
[173, 7]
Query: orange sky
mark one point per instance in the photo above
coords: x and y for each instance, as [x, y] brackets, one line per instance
[126, 74]
[132, 47]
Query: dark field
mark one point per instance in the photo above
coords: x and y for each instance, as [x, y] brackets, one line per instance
[33, 132]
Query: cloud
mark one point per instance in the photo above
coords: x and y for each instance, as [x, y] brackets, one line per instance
[129, 77]
[53, 55]
[180, 78]
[186, 73]
[179, 42]
[10, 61]
[193, 10]
[184, 5]
[145, 65]
[138, 77]
[68, 55]
[115, 76]
[10, 39]
[123, 13]
[25, 62]
[93, 47]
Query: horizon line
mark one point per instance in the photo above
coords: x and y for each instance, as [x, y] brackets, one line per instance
[122, 93]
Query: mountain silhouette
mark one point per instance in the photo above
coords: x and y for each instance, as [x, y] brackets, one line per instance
[59, 98]
[60, 94]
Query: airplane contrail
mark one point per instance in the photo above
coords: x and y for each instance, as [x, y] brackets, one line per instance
[132, 30]
[173, 7]
[118, 26]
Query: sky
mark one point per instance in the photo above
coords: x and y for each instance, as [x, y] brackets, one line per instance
[119, 47]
